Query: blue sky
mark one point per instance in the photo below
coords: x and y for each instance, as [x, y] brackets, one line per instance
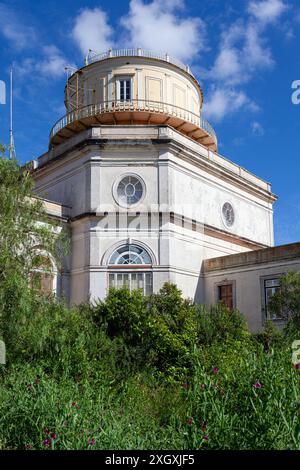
[245, 53]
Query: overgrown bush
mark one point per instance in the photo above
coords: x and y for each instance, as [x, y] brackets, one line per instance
[218, 323]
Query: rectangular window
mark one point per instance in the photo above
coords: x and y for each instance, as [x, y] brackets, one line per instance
[225, 295]
[125, 89]
[270, 287]
[132, 281]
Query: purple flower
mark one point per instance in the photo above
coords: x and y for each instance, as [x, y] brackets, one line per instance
[91, 442]
[206, 437]
[215, 370]
[257, 384]
[46, 442]
[53, 436]
[186, 386]
[297, 366]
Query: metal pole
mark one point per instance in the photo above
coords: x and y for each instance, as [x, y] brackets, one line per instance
[12, 151]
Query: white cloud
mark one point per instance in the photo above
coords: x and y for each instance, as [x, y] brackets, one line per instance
[227, 65]
[54, 63]
[156, 26]
[15, 31]
[267, 11]
[242, 52]
[92, 31]
[257, 129]
[50, 65]
[222, 102]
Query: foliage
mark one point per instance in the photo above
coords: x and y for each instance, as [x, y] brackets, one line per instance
[159, 330]
[23, 226]
[270, 336]
[286, 300]
[218, 323]
[133, 372]
[24, 223]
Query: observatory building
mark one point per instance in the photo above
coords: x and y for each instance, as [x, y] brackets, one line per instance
[133, 169]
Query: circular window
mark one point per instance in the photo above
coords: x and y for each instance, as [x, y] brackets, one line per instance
[129, 190]
[228, 214]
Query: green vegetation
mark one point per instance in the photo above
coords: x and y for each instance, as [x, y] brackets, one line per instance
[132, 372]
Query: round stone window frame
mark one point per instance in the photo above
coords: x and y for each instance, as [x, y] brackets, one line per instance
[115, 190]
[222, 215]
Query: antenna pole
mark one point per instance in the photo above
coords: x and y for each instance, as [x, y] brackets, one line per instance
[12, 150]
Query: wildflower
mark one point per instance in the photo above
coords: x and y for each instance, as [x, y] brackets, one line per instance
[186, 386]
[257, 384]
[190, 421]
[27, 446]
[73, 404]
[46, 442]
[297, 366]
[215, 370]
[91, 442]
[53, 436]
[205, 437]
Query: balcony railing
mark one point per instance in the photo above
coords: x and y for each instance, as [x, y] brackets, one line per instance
[136, 106]
[95, 57]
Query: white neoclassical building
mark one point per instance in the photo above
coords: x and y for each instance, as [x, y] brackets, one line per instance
[133, 169]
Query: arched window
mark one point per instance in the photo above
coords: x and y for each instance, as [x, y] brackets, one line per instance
[135, 263]
[43, 275]
[130, 254]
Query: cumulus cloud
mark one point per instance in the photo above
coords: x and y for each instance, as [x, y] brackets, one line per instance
[267, 11]
[50, 64]
[222, 102]
[157, 26]
[54, 62]
[92, 30]
[243, 51]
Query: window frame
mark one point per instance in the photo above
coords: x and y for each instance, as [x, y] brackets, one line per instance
[124, 78]
[52, 273]
[144, 274]
[264, 303]
[226, 282]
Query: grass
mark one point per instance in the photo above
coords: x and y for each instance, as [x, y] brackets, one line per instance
[218, 409]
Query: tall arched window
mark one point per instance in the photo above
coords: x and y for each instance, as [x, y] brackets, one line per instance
[43, 275]
[130, 266]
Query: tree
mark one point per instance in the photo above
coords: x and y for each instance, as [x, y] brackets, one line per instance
[23, 226]
[23, 221]
[285, 302]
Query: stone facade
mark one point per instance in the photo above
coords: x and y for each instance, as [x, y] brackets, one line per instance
[148, 198]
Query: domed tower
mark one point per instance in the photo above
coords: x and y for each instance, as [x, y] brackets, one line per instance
[134, 86]
[135, 166]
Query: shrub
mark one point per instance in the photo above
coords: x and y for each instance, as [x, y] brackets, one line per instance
[218, 323]
[285, 302]
[159, 330]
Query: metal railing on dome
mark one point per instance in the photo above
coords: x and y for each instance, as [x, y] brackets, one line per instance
[139, 52]
[155, 107]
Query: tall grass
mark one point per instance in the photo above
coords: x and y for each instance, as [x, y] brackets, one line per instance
[72, 384]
